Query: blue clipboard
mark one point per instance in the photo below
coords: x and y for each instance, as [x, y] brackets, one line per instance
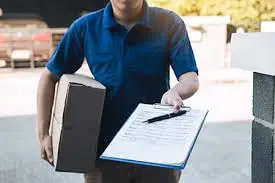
[179, 166]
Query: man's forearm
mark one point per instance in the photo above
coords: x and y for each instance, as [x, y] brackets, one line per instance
[45, 97]
[187, 86]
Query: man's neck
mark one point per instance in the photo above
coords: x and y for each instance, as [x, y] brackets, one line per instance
[129, 18]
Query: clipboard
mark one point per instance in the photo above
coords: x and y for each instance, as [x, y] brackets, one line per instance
[174, 156]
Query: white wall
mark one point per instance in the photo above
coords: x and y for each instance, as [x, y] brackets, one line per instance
[210, 51]
[268, 26]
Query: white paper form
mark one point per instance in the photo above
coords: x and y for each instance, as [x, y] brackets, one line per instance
[162, 142]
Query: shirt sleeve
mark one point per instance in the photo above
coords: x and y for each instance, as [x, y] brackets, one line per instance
[181, 55]
[68, 56]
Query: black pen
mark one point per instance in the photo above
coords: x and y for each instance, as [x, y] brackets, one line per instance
[166, 116]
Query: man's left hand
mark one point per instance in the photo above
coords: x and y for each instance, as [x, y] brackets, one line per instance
[172, 98]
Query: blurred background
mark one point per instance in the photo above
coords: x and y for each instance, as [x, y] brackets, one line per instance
[30, 31]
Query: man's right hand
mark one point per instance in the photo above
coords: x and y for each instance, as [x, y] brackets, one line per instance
[46, 149]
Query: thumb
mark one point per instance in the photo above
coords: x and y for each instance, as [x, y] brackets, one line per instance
[177, 105]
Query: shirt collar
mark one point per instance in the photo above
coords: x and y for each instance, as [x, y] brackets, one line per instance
[145, 19]
[110, 22]
[108, 18]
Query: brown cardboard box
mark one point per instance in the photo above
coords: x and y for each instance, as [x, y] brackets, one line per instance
[75, 122]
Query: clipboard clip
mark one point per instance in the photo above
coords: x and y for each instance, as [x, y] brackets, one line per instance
[169, 107]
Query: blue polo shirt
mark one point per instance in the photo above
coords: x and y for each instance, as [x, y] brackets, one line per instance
[133, 65]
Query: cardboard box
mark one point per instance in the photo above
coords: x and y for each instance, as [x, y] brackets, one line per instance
[75, 122]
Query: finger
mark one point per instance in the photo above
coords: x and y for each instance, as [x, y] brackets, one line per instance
[43, 154]
[50, 161]
[177, 105]
[176, 109]
[49, 153]
[45, 157]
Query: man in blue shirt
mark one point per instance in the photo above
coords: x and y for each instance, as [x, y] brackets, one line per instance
[129, 48]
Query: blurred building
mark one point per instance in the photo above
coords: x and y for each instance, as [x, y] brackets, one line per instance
[56, 13]
[208, 35]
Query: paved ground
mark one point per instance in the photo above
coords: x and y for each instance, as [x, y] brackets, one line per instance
[221, 155]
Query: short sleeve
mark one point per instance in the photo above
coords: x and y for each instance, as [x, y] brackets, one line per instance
[68, 56]
[181, 53]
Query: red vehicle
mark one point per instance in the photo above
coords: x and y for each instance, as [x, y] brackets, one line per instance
[24, 38]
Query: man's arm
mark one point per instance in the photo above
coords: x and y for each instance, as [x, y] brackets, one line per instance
[183, 63]
[187, 86]
[45, 98]
[66, 59]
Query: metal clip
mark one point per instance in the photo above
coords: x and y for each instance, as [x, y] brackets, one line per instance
[169, 107]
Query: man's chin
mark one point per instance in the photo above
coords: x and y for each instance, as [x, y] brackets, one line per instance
[125, 9]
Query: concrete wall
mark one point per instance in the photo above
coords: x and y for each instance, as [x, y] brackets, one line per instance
[255, 52]
[263, 129]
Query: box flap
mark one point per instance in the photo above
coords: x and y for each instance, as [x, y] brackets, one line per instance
[61, 93]
[82, 80]
[60, 100]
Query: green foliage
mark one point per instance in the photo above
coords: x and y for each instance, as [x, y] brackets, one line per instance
[244, 13]
[181, 7]
[173, 5]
